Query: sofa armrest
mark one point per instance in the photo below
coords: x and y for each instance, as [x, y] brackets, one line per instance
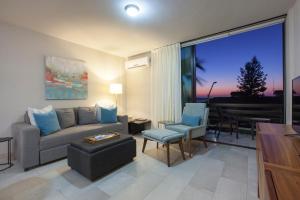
[124, 120]
[26, 144]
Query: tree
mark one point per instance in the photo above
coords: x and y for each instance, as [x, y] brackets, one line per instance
[252, 79]
[236, 94]
[278, 93]
[199, 66]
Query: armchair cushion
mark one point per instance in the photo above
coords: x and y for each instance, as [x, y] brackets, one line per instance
[162, 135]
[190, 120]
[181, 128]
[196, 109]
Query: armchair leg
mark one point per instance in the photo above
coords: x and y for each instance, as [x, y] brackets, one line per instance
[168, 153]
[144, 145]
[190, 145]
[181, 149]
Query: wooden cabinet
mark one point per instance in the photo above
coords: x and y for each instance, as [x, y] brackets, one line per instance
[278, 158]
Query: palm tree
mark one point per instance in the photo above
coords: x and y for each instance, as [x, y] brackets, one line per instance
[188, 74]
[190, 64]
[200, 67]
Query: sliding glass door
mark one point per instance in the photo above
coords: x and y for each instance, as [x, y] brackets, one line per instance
[239, 76]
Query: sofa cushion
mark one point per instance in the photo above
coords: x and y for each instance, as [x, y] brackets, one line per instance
[26, 118]
[32, 111]
[66, 136]
[108, 115]
[66, 117]
[87, 115]
[47, 122]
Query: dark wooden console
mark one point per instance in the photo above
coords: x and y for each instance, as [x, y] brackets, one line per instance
[278, 158]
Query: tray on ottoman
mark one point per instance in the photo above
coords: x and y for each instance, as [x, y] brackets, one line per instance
[101, 138]
[96, 160]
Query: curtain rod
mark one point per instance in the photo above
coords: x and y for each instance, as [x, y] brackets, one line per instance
[233, 31]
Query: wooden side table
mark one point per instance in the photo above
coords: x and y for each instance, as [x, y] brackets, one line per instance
[8, 163]
[136, 126]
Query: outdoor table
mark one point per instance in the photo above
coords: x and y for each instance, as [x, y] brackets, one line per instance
[254, 120]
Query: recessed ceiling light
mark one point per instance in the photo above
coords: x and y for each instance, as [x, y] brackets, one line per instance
[132, 10]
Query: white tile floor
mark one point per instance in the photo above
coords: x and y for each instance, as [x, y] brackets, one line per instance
[217, 173]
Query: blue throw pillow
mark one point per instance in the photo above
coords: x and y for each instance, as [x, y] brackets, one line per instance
[108, 115]
[47, 122]
[98, 113]
[190, 120]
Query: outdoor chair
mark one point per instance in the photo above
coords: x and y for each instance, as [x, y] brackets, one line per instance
[224, 118]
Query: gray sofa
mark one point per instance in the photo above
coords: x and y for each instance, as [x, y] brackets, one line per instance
[32, 150]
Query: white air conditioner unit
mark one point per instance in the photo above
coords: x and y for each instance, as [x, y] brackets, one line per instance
[139, 62]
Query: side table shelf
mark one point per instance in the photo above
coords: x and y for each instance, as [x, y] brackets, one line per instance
[164, 123]
[136, 126]
[8, 163]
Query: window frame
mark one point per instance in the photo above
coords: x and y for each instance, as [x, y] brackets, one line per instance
[238, 30]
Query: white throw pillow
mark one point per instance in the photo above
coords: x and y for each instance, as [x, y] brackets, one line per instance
[30, 112]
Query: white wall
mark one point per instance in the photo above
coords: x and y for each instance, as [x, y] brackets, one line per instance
[22, 54]
[292, 53]
[138, 90]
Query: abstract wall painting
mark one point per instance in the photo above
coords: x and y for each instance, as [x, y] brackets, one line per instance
[65, 79]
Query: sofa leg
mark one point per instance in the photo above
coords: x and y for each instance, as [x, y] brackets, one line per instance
[144, 145]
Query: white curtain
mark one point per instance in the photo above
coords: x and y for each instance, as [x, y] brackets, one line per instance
[166, 84]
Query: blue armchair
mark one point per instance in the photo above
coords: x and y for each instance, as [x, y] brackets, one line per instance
[191, 132]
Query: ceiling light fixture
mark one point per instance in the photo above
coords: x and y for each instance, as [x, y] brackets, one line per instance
[132, 10]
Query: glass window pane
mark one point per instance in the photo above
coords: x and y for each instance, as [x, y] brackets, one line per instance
[187, 68]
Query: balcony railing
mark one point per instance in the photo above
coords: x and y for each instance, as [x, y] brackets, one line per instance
[244, 112]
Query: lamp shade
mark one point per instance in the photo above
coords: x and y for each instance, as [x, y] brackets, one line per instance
[116, 88]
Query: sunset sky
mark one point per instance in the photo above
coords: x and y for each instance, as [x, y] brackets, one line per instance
[223, 58]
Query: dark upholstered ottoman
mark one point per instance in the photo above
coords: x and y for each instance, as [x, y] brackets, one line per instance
[96, 160]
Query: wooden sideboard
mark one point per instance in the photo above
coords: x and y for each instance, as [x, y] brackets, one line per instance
[278, 159]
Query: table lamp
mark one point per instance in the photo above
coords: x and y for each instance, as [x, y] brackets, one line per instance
[116, 89]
